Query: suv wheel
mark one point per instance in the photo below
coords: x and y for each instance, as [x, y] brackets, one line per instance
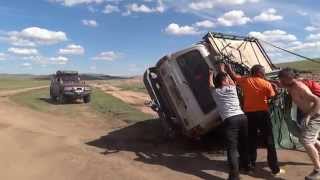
[87, 99]
[53, 98]
[61, 99]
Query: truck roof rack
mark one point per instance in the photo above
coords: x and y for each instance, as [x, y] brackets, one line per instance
[229, 36]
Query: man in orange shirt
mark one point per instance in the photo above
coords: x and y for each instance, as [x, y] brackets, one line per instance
[257, 91]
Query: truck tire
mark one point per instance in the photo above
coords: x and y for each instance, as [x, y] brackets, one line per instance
[87, 99]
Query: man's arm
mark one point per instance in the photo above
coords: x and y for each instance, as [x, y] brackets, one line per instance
[211, 76]
[231, 73]
[310, 97]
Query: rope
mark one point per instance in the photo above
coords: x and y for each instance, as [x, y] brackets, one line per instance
[290, 52]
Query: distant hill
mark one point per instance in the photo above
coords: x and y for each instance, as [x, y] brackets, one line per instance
[85, 77]
[306, 66]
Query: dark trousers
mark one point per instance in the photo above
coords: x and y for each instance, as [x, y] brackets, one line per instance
[261, 121]
[236, 132]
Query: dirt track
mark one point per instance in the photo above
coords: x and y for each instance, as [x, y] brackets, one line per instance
[37, 146]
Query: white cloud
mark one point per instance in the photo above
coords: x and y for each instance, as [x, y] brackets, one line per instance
[23, 51]
[233, 18]
[277, 37]
[110, 9]
[107, 56]
[199, 5]
[60, 60]
[143, 8]
[314, 37]
[309, 46]
[302, 13]
[312, 28]
[72, 49]
[90, 23]
[205, 24]
[44, 61]
[33, 36]
[70, 3]
[274, 35]
[3, 56]
[176, 29]
[26, 64]
[268, 15]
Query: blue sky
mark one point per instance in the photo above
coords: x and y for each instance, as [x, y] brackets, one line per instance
[122, 37]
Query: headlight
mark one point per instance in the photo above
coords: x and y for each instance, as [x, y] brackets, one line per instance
[68, 88]
[87, 88]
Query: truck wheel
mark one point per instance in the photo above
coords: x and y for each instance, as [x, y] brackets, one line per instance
[62, 99]
[87, 99]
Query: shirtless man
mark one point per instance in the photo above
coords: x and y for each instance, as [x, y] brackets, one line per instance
[310, 106]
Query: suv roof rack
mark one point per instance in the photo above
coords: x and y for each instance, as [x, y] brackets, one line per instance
[67, 72]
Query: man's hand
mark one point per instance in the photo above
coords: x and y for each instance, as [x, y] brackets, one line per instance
[228, 67]
[211, 71]
[306, 120]
[221, 67]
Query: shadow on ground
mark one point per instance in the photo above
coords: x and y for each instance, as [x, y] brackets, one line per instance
[195, 158]
[51, 101]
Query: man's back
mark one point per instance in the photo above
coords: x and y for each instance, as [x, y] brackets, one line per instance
[256, 92]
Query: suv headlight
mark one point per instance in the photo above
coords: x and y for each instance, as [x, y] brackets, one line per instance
[68, 88]
[87, 88]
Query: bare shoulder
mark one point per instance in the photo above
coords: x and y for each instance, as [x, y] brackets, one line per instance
[301, 86]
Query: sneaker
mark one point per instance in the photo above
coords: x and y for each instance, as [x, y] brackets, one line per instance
[247, 171]
[281, 171]
[234, 178]
[314, 175]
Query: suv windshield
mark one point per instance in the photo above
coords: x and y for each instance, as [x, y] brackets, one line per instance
[72, 78]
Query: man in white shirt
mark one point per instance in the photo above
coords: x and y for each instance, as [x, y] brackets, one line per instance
[224, 92]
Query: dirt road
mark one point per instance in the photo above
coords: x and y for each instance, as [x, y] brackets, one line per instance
[38, 146]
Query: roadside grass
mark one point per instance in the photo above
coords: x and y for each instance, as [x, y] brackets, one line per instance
[102, 106]
[303, 66]
[115, 108]
[128, 85]
[11, 83]
[137, 87]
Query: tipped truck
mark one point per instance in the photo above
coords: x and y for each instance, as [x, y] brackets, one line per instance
[178, 83]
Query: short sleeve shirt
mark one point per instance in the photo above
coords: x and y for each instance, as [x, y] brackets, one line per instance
[227, 101]
[256, 92]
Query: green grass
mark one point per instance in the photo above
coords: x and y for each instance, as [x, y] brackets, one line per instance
[127, 85]
[102, 105]
[114, 107]
[137, 87]
[11, 83]
[303, 66]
